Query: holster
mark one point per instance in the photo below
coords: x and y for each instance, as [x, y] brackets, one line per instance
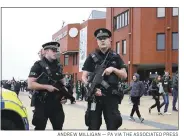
[33, 100]
[41, 97]
[118, 92]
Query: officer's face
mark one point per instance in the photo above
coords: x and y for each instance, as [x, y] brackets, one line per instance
[51, 53]
[104, 42]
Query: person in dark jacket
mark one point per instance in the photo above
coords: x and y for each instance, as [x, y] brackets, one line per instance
[78, 89]
[175, 91]
[136, 91]
[166, 83]
[156, 91]
[17, 87]
[7, 85]
[83, 92]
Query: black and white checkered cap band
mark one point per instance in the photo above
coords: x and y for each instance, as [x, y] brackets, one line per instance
[50, 46]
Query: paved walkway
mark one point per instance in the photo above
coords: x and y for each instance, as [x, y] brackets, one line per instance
[74, 116]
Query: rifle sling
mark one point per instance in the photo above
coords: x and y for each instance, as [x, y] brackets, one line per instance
[45, 65]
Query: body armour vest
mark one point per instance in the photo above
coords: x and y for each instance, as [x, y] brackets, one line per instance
[112, 79]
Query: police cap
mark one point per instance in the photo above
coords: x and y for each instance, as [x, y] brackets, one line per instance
[51, 45]
[102, 32]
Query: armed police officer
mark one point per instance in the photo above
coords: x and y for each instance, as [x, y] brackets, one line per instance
[46, 104]
[105, 98]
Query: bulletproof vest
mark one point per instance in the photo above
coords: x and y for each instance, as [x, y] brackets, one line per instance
[54, 74]
[112, 79]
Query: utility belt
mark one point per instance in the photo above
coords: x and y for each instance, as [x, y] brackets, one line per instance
[41, 97]
[111, 91]
[38, 98]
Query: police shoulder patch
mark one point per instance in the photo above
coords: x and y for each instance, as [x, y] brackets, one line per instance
[33, 74]
[115, 54]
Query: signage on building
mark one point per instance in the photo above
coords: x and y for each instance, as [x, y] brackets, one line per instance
[82, 47]
[60, 36]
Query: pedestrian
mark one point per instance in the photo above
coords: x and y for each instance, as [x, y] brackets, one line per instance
[136, 92]
[156, 91]
[167, 85]
[175, 91]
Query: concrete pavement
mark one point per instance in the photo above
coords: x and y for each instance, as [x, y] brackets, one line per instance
[74, 115]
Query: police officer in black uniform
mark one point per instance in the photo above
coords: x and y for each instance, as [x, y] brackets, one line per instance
[47, 106]
[105, 100]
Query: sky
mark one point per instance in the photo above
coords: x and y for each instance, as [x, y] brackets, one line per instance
[24, 30]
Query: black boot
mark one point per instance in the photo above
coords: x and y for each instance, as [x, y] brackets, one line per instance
[73, 101]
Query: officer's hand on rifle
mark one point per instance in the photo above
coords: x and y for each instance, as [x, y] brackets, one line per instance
[108, 71]
[66, 88]
[63, 100]
[98, 92]
[51, 88]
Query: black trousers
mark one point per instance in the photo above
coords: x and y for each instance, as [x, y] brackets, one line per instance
[157, 103]
[135, 108]
[46, 111]
[83, 93]
[109, 106]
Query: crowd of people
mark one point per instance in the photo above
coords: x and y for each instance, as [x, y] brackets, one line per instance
[161, 86]
[14, 85]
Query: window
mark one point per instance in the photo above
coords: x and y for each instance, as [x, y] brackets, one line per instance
[126, 19]
[74, 59]
[121, 20]
[160, 41]
[115, 25]
[175, 41]
[66, 60]
[117, 47]
[175, 11]
[160, 12]
[117, 22]
[124, 47]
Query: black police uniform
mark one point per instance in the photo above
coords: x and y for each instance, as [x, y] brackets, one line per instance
[107, 104]
[49, 107]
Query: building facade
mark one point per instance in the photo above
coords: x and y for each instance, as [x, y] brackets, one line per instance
[146, 39]
[76, 42]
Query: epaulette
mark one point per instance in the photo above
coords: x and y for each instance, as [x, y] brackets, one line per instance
[114, 54]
